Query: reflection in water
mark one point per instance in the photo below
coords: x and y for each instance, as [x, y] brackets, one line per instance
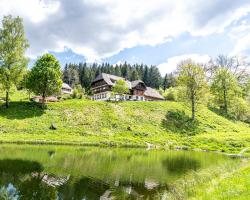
[18, 166]
[28, 172]
[180, 164]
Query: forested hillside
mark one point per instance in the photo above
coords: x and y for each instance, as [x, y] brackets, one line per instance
[84, 73]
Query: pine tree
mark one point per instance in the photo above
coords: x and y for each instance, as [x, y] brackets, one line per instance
[154, 77]
[134, 75]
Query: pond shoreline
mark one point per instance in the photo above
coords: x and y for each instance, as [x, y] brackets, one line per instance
[173, 173]
[131, 146]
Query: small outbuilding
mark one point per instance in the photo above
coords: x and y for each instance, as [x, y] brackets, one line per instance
[66, 89]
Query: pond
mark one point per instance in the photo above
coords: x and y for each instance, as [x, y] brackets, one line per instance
[61, 172]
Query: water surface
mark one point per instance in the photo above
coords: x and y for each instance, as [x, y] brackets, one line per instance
[61, 172]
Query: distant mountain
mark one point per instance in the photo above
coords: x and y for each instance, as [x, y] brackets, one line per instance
[66, 56]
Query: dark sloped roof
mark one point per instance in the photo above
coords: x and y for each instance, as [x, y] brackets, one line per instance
[107, 78]
[135, 83]
[150, 92]
[111, 79]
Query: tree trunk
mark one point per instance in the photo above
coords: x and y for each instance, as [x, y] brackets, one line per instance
[43, 100]
[225, 100]
[7, 99]
[193, 106]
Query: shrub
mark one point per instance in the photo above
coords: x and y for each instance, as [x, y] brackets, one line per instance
[171, 94]
[78, 92]
[240, 109]
[178, 121]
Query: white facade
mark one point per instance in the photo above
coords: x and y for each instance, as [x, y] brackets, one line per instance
[104, 96]
[66, 89]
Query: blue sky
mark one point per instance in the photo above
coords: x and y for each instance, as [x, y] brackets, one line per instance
[159, 32]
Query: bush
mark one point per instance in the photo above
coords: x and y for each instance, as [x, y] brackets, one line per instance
[65, 97]
[178, 121]
[240, 109]
[171, 94]
[78, 92]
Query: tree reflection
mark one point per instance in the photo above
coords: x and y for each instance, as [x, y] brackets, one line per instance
[25, 178]
[83, 188]
[34, 189]
[180, 164]
[18, 166]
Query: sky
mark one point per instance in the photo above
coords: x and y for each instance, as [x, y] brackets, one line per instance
[154, 32]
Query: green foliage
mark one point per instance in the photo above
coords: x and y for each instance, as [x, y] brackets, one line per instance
[225, 88]
[219, 182]
[120, 87]
[45, 77]
[71, 75]
[178, 122]
[171, 94]
[78, 92]
[102, 123]
[84, 73]
[246, 90]
[240, 109]
[169, 81]
[13, 45]
[154, 77]
[192, 77]
[134, 75]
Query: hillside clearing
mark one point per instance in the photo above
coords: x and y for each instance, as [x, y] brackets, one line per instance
[120, 124]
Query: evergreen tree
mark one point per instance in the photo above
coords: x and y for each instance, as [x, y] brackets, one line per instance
[154, 77]
[168, 81]
[145, 78]
[84, 73]
[134, 76]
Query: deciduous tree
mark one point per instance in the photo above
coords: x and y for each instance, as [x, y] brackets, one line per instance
[13, 45]
[192, 77]
[45, 77]
[120, 87]
[224, 87]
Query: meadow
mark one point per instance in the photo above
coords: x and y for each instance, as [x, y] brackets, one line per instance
[164, 125]
[135, 124]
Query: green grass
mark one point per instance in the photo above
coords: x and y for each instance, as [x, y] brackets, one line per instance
[120, 124]
[223, 182]
[235, 185]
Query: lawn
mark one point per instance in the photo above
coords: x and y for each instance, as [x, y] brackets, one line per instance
[163, 124]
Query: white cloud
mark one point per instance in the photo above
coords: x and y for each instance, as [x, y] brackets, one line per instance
[241, 36]
[34, 10]
[171, 64]
[101, 28]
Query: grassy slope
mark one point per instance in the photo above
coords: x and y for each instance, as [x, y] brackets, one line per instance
[232, 185]
[223, 182]
[125, 123]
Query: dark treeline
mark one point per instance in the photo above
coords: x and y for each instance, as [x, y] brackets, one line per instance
[84, 74]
